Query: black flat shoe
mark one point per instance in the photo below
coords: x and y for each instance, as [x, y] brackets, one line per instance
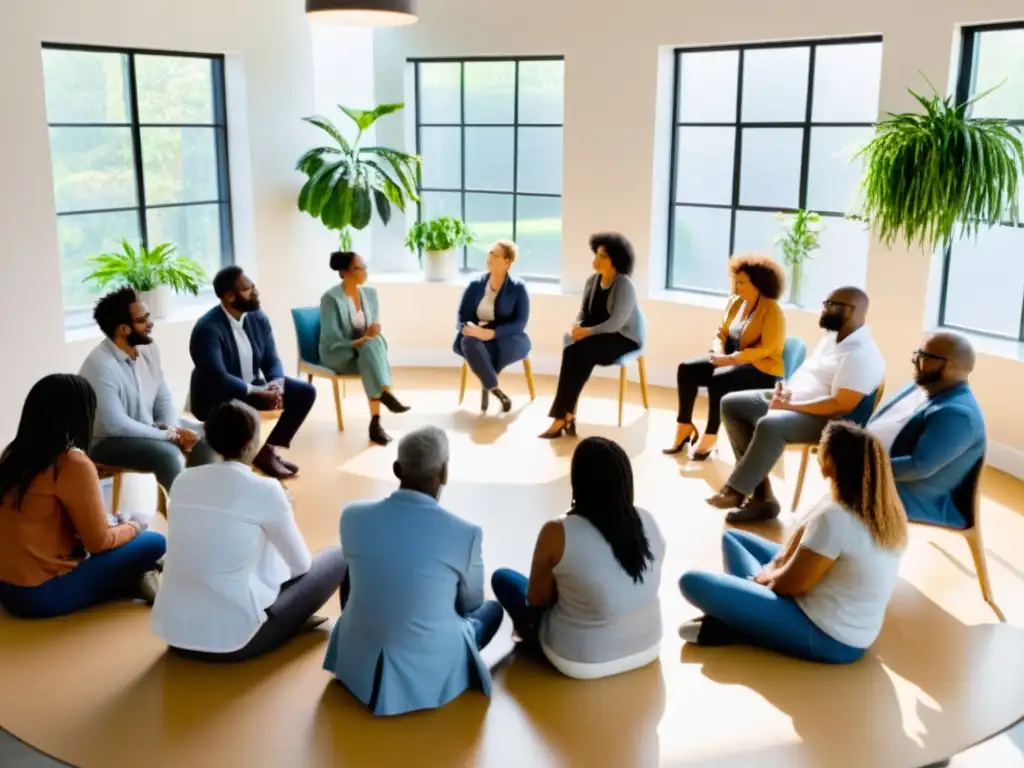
[485, 400]
[690, 438]
[392, 403]
[377, 433]
[505, 400]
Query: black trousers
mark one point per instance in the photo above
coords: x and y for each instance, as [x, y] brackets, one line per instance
[299, 599]
[578, 361]
[298, 401]
[699, 372]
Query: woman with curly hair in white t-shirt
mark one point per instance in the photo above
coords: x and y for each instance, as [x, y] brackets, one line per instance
[823, 595]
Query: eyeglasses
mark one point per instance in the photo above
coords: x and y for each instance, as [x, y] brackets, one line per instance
[832, 303]
[920, 354]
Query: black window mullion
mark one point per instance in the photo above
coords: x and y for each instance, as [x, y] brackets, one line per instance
[136, 131]
[462, 153]
[738, 156]
[515, 152]
[673, 181]
[805, 151]
[418, 98]
[220, 117]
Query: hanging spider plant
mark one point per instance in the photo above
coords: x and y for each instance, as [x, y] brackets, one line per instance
[933, 177]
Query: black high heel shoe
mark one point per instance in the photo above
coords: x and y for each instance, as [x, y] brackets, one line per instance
[703, 455]
[505, 400]
[566, 430]
[485, 400]
[688, 440]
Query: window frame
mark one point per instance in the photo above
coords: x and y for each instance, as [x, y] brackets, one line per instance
[966, 79]
[515, 125]
[219, 125]
[806, 126]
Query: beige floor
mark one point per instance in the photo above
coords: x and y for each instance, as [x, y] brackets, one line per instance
[98, 691]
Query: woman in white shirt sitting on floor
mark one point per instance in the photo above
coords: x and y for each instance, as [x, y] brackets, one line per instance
[238, 580]
[823, 596]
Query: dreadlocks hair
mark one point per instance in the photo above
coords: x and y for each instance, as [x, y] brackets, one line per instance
[602, 492]
[863, 481]
[57, 416]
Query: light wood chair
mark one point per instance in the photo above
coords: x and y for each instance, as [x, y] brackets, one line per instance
[527, 370]
[967, 499]
[642, 369]
[312, 371]
[807, 449]
[117, 475]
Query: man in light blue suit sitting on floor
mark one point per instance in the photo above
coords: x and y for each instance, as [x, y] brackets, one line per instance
[415, 615]
[934, 431]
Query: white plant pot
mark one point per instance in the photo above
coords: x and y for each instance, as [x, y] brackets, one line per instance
[158, 300]
[439, 266]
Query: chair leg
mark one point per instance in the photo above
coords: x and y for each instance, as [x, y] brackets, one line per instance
[115, 494]
[805, 456]
[309, 378]
[622, 390]
[528, 370]
[642, 365]
[337, 405]
[463, 376]
[973, 536]
[162, 500]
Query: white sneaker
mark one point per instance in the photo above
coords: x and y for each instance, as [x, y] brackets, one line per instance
[689, 631]
[149, 585]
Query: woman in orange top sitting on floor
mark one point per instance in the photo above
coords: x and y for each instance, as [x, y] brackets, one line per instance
[58, 554]
[746, 353]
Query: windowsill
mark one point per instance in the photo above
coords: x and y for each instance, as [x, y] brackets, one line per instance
[545, 287]
[711, 300]
[186, 313]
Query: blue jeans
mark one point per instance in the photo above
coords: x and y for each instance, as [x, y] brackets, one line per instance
[485, 621]
[510, 588]
[101, 577]
[758, 615]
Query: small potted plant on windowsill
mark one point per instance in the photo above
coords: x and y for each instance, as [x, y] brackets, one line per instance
[153, 273]
[436, 241]
[800, 236]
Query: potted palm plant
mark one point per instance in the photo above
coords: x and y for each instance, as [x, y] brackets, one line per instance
[436, 240]
[154, 273]
[345, 182]
[934, 176]
[799, 237]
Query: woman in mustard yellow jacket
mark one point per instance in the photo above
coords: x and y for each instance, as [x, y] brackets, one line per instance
[746, 353]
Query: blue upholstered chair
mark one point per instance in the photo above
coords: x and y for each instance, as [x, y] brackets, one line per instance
[307, 337]
[859, 415]
[793, 355]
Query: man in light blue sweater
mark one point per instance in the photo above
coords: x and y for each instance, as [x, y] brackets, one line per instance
[137, 426]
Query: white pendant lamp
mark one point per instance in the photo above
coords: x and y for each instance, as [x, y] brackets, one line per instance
[363, 13]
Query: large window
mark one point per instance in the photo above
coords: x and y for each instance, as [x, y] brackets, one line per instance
[139, 150]
[762, 129]
[490, 134]
[983, 279]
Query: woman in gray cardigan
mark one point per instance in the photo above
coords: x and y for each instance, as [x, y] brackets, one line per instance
[606, 328]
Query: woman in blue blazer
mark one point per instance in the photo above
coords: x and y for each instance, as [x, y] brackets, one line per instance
[492, 322]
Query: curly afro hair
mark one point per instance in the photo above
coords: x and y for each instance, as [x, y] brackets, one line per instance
[767, 275]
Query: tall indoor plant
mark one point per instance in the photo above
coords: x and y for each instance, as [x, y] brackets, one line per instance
[344, 181]
[154, 273]
[799, 237]
[437, 240]
[934, 176]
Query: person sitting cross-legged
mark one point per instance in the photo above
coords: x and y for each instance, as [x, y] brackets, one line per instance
[137, 425]
[235, 357]
[411, 630]
[239, 580]
[58, 553]
[591, 602]
[934, 431]
[822, 596]
[493, 314]
[843, 369]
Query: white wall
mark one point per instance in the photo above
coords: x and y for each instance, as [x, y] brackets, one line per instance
[270, 87]
[617, 66]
